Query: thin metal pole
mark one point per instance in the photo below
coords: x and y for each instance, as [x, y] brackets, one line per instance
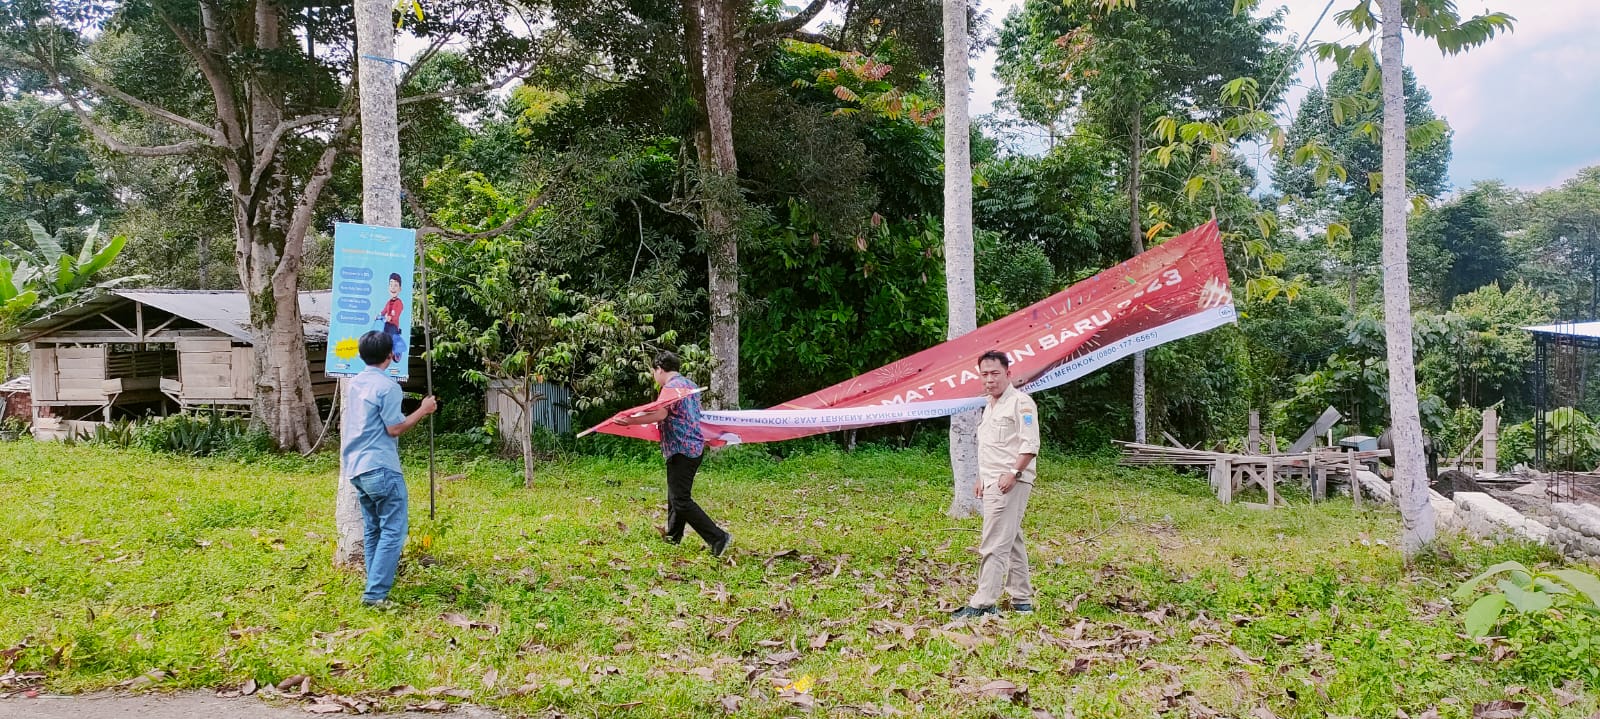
[427, 363]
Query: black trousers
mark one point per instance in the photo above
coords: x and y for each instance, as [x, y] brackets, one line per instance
[681, 507]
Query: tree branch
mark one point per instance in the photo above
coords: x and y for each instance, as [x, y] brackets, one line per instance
[422, 58]
[470, 90]
[214, 73]
[817, 38]
[112, 143]
[788, 26]
[430, 227]
[305, 208]
[263, 158]
[55, 73]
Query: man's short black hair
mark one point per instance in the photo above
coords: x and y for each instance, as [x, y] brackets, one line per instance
[668, 361]
[997, 356]
[375, 347]
[395, 277]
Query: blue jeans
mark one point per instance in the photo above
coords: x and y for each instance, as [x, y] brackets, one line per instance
[383, 513]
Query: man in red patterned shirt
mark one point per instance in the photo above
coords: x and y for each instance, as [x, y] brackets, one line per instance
[683, 445]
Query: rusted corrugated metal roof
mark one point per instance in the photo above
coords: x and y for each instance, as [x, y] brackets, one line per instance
[226, 311]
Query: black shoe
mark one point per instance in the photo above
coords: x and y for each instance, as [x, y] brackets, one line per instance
[973, 612]
[1023, 608]
[722, 546]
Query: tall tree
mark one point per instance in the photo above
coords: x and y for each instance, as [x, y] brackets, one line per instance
[1336, 127]
[47, 172]
[960, 285]
[1564, 243]
[718, 35]
[1411, 481]
[380, 205]
[232, 84]
[1127, 63]
[1470, 248]
[1437, 20]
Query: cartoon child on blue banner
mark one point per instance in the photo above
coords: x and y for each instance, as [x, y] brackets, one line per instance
[391, 318]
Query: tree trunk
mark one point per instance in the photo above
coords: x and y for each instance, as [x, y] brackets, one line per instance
[204, 251]
[712, 58]
[1136, 232]
[271, 217]
[1410, 474]
[526, 430]
[380, 205]
[960, 285]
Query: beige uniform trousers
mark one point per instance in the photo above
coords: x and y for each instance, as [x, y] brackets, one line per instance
[1009, 429]
[1005, 557]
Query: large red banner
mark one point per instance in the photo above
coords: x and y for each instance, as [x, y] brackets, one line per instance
[1177, 289]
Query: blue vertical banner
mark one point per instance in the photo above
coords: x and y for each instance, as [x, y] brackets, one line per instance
[373, 271]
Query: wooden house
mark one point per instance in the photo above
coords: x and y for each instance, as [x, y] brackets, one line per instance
[130, 353]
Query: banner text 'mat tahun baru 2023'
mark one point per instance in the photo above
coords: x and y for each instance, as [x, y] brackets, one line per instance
[1174, 290]
[372, 290]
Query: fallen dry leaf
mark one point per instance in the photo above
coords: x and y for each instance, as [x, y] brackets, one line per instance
[1263, 713]
[820, 641]
[436, 705]
[781, 658]
[401, 690]
[727, 629]
[243, 690]
[458, 620]
[962, 639]
[1566, 694]
[730, 703]
[291, 683]
[322, 707]
[999, 688]
[490, 678]
[1499, 709]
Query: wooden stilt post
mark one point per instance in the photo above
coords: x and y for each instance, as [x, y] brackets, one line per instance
[1491, 440]
[1271, 482]
[1222, 476]
[1355, 484]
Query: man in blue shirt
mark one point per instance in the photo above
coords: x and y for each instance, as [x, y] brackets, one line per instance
[683, 446]
[371, 459]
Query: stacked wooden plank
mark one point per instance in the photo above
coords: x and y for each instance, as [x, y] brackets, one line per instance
[1232, 472]
[1137, 454]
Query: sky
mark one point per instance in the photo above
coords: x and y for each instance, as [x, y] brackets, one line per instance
[1525, 108]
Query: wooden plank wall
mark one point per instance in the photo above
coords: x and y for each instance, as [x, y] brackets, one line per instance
[205, 367]
[80, 371]
[42, 369]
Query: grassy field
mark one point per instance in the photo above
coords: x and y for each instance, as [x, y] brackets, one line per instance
[562, 600]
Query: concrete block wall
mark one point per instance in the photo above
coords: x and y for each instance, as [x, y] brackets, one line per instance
[1481, 515]
[1576, 530]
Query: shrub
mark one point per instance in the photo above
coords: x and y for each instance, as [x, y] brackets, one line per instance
[197, 435]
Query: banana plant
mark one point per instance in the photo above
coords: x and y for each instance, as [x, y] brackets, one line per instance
[51, 274]
[16, 298]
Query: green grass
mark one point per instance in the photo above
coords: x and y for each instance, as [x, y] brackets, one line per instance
[113, 564]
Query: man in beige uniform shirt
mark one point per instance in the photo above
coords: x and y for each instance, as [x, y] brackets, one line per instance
[1008, 442]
